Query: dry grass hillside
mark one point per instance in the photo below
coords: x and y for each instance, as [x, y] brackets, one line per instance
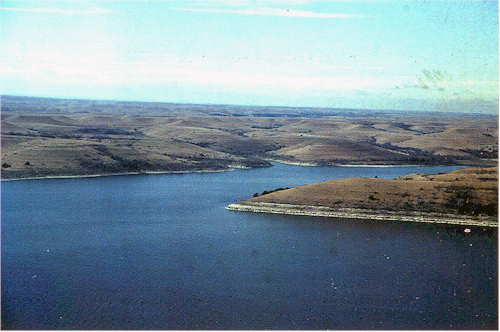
[43, 137]
[471, 191]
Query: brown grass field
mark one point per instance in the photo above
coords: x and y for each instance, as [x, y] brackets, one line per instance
[55, 137]
[470, 191]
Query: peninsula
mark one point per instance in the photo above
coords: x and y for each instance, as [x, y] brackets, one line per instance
[466, 197]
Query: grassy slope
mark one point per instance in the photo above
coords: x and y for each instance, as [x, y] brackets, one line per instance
[469, 191]
[65, 137]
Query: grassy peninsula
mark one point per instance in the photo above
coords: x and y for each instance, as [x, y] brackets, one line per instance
[466, 196]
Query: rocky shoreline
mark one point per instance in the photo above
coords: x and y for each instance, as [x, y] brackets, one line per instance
[322, 211]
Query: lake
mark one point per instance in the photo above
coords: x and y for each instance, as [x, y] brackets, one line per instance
[161, 252]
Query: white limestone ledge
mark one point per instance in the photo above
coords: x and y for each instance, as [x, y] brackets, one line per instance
[323, 211]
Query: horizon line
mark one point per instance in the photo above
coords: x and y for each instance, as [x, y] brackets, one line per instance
[330, 108]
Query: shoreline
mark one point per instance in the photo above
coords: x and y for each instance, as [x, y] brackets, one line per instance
[383, 166]
[310, 164]
[293, 163]
[356, 213]
[116, 174]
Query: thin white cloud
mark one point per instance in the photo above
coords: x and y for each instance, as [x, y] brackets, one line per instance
[274, 12]
[375, 68]
[249, 2]
[91, 11]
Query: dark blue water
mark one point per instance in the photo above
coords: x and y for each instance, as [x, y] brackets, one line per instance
[161, 252]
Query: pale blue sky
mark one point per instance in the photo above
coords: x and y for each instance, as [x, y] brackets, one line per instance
[415, 55]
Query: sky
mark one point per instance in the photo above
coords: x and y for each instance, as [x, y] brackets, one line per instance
[404, 55]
